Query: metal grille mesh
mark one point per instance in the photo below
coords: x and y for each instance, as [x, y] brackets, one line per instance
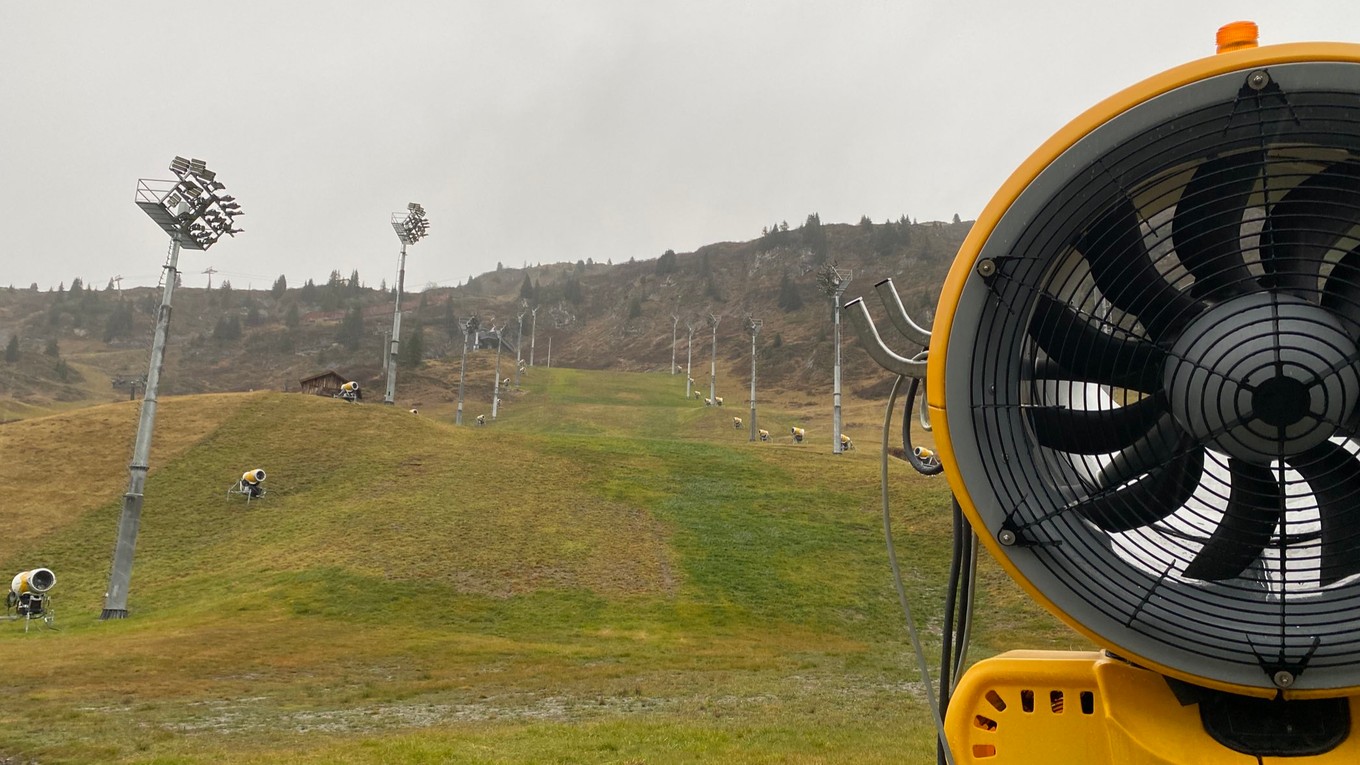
[1163, 382]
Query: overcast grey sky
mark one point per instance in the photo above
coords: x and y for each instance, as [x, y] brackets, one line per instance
[544, 131]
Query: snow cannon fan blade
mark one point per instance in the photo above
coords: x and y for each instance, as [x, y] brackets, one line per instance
[1143, 373]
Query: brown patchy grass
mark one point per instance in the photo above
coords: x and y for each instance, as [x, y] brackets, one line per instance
[608, 574]
[70, 464]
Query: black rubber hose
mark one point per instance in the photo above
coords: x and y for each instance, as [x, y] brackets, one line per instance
[922, 467]
[950, 605]
[966, 592]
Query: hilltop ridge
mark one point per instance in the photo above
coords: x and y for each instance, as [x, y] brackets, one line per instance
[84, 345]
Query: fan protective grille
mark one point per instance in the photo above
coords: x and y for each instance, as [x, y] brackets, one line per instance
[1151, 398]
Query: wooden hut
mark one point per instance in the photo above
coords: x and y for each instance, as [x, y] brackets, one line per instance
[325, 384]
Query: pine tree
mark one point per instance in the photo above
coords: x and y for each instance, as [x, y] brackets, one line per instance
[12, 349]
[292, 320]
[413, 349]
[885, 239]
[280, 287]
[789, 298]
[351, 329]
[228, 329]
[667, 263]
[814, 237]
[119, 323]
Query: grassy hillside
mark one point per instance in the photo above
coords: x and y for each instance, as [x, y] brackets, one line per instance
[609, 573]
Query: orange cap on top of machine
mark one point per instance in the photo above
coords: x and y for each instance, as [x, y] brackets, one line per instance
[1237, 35]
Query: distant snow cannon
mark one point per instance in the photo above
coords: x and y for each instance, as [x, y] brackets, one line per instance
[718, 400]
[764, 434]
[415, 411]
[846, 443]
[798, 434]
[38, 580]
[351, 392]
[29, 596]
[481, 419]
[250, 485]
[736, 423]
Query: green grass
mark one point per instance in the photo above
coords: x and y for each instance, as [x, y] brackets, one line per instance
[609, 573]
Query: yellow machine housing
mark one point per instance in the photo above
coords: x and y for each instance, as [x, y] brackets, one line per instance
[1088, 708]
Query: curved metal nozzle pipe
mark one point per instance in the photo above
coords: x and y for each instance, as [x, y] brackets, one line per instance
[873, 344]
[897, 314]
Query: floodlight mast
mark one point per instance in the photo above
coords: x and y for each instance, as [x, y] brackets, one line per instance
[834, 282]
[713, 319]
[689, 360]
[411, 227]
[519, 339]
[469, 327]
[496, 386]
[675, 325]
[753, 325]
[195, 215]
[533, 333]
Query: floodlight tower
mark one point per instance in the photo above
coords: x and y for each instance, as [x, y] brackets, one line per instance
[496, 386]
[533, 333]
[675, 325]
[519, 339]
[753, 324]
[713, 319]
[834, 282]
[469, 328]
[411, 227]
[689, 360]
[195, 213]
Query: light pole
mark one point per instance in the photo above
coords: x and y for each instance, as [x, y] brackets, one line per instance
[834, 282]
[713, 319]
[469, 327]
[411, 227]
[689, 360]
[496, 387]
[753, 325]
[195, 214]
[519, 341]
[533, 333]
[675, 325]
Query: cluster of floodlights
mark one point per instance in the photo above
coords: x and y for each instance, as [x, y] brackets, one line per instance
[194, 210]
[412, 226]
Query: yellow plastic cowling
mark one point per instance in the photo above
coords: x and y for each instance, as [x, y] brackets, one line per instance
[1042, 707]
